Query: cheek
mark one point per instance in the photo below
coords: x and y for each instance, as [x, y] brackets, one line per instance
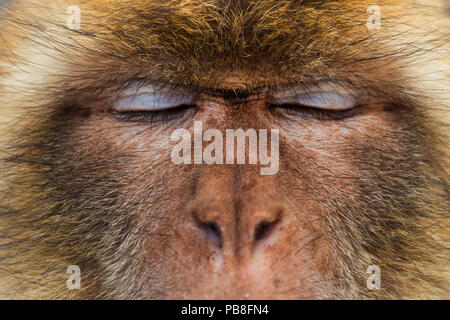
[315, 159]
[330, 151]
[155, 195]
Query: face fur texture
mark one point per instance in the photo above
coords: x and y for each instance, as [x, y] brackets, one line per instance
[82, 184]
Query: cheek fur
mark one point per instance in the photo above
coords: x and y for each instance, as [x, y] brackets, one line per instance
[79, 187]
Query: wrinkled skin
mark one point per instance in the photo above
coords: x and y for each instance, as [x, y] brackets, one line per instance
[84, 185]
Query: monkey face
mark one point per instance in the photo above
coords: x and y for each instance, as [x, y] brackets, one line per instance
[221, 150]
[224, 229]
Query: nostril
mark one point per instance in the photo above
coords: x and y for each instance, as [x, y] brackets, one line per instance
[212, 230]
[263, 229]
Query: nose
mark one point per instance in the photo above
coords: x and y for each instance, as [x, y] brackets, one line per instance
[242, 219]
[247, 227]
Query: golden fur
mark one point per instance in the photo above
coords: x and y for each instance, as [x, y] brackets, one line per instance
[233, 45]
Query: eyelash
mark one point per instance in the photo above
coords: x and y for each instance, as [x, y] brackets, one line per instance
[289, 109]
[299, 110]
[165, 115]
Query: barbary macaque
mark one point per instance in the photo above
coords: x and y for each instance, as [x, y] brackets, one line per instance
[347, 101]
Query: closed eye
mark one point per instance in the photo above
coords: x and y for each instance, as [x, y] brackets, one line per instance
[322, 100]
[152, 99]
[149, 104]
[325, 102]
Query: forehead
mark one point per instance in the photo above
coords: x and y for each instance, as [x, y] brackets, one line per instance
[222, 44]
[238, 39]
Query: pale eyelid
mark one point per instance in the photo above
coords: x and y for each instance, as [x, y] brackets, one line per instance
[150, 99]
[322, 98]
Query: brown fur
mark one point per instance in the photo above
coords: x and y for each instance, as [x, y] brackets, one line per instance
[80, 187]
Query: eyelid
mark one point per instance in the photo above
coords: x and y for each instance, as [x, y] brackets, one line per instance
[327, 98]
[153, 99]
